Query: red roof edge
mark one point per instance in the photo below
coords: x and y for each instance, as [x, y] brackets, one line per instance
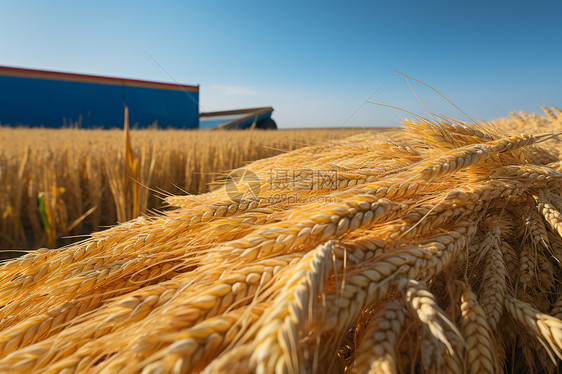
[84, 78]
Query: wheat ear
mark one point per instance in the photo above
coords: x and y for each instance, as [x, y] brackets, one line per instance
[546, 329]
[376, 351]
[477, 334]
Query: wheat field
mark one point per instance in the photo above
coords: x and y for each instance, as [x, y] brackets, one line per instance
[435, 248]
[58, 183]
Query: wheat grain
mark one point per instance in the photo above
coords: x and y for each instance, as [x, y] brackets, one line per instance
[282, 328]
[550, 214]
[478, 335]
[332, 219]
[376, 351]
[546, 329]
[493, 285]
[433, 322]
[527, 266]
[191, 349]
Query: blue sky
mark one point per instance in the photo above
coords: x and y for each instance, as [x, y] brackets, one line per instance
[315, 62]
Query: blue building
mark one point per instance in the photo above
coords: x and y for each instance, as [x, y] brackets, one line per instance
[53, 99]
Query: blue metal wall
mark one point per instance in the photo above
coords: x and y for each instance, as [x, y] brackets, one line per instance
[52, 103]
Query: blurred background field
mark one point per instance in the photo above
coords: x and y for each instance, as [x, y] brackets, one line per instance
[58, 184]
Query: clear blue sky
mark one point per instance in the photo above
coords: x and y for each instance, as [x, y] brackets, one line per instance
[315, 62]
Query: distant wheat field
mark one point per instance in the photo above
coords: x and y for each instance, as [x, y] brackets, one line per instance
[57, 183]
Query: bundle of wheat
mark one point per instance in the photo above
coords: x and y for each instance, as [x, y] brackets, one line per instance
[436, 248]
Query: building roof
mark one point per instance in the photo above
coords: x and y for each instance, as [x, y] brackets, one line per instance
[83, 78]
